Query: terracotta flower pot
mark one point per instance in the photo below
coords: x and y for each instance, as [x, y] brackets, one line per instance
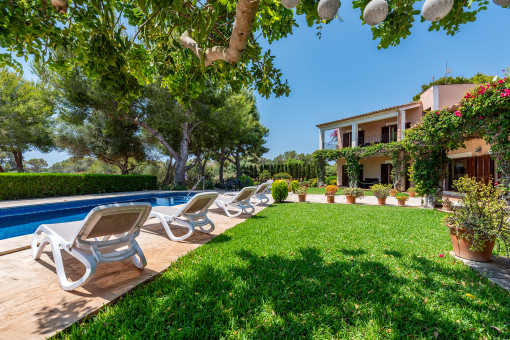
[381, 201]
[350, 199]
[461, 247]
[330, 198]
[302, 197]
[401, 202]
[412, 194]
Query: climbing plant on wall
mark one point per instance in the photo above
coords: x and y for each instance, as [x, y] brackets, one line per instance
[395, 150]
[483, 112]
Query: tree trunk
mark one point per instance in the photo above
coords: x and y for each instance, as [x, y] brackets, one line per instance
[237, 158]
[1, 169]
[169, 172]
[221, 165]
[180, 162]
[18, 158]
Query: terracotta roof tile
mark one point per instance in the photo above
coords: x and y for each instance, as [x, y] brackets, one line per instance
[369, 113]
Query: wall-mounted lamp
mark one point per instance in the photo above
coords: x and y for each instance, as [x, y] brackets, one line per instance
[478, 149]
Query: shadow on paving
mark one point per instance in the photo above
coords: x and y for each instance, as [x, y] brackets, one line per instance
[274, 296]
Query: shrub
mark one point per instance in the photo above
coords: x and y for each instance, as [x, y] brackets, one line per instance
[304, 183]
[293, 186]
[172, 186]
[402, 197]
[245, 179]
[279, 190]
[19, 186]
[257, 183]
[209, 184]
[381, 190]
[483, 212]
[314, 183]
[393, 192]
[411, 190]
[331, 189]
[281, 175]
[447, 203]
[301, 190]
[265, 174]
[330, 180]
[356, 192]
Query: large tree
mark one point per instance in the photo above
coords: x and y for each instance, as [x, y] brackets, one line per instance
[127, 43]
[26, 111]
[112, 141]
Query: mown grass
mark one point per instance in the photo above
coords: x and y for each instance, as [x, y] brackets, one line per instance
[315, 271]
[340, 191]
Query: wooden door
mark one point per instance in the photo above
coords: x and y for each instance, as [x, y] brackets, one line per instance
[345, 179]
[346, 139]
[385, 134]
[361, 137]
[384, 173]
[471, 166]
[484, 168]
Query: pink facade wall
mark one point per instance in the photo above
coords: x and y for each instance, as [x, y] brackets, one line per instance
[450, 95]
[427, 99]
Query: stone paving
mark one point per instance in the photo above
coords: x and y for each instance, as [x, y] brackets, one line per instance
[33, 306]
[497, 271]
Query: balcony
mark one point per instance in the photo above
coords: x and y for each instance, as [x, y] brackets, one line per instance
[330, 146]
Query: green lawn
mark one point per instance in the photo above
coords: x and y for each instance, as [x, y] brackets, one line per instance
[315, 271]
[340, 191]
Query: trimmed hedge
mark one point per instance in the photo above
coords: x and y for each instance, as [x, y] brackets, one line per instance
[18, 186]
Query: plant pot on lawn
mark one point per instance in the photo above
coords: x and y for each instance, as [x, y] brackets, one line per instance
[350, 199]
[412, 192]
[480, 220]
[301, 192]
[462, 243]
[381, 191]
[352, 193]
[330, 193]
[393, 192]
[402, 198]
[302, 197]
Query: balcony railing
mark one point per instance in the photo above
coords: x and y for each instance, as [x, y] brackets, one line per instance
[330, 146]
[375, 139]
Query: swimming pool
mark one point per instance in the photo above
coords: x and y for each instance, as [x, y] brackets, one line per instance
[24, 220]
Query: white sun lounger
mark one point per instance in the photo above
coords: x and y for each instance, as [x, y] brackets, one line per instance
[240, 201]
[89, 240]
[194, 213]
[260, 194]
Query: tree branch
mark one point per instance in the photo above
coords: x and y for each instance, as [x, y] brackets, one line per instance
[246, 10]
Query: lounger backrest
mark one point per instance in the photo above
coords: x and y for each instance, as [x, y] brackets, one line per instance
[245, 194]
[261, 188]
[199, 203]
[114, 219]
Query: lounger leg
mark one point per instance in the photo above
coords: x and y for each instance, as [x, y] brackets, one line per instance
[138, 259]
[223, 206]
[205, 230]
[247, 207]
[171, 235]
[37, 251]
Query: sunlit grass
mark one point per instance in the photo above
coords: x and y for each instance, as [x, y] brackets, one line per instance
[315, 271]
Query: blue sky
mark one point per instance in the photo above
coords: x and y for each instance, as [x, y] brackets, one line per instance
[344, 73]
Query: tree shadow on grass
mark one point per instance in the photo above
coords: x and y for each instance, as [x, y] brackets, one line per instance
[293, 295]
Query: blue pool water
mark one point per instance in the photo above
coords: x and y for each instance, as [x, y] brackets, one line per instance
[25, 220]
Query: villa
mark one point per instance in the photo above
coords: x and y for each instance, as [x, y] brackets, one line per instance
[389, 125]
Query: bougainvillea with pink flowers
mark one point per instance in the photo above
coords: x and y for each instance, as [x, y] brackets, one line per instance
[484, 112]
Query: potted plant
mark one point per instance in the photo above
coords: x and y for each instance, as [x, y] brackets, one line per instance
[301, 192]
[352, 193]
[330, 193]
[480, 220]
[381, 191]
[412, 192]
[393, 192]
[402, 198]
[447, 204]
[293, 186]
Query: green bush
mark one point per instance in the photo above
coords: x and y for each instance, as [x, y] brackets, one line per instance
[313, 183]
[19, 186]
[244, 178]
[293, 186]
[257, 183]
[329, 180]
[356, 192]
[281, 175]
[304, 184]
[381, 190]
[178, 187]
[279, 190]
